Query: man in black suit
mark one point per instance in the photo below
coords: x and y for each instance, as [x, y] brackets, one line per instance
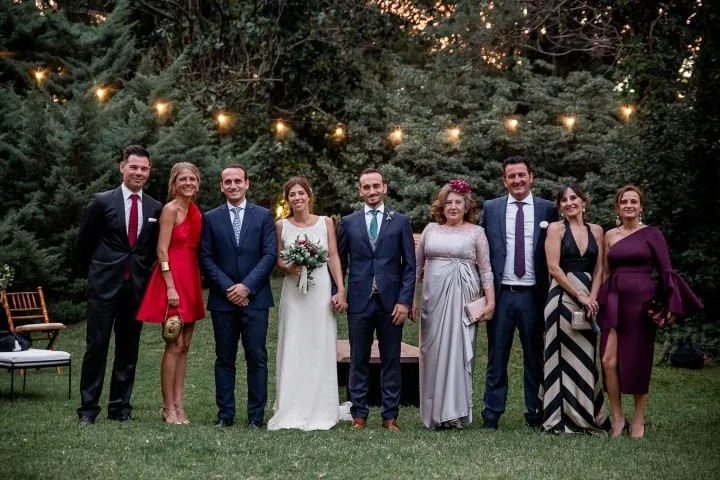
[117, 241]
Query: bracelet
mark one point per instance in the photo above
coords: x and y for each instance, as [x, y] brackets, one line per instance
[164, 266]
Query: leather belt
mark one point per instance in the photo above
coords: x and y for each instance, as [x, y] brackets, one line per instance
[517, 288]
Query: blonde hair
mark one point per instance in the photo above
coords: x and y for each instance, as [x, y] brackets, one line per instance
[175, 171]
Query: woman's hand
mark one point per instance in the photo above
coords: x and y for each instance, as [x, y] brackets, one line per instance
[172, 297]
[338, 302]
[591, 306]
[294, 270]
[671, 318]
[487, 314]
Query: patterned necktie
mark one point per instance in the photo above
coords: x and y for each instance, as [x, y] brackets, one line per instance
[374, 224]
[520, 241]
[236, 223]
[132, 229]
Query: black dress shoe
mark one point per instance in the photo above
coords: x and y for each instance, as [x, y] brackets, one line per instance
[122, 418]
[223, 423]
[85, 421]
[490, 424]
[254, 425]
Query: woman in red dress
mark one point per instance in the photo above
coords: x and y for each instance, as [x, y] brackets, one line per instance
[174, 286]
[627, 341]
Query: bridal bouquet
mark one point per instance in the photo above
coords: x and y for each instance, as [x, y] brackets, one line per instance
[306, 254]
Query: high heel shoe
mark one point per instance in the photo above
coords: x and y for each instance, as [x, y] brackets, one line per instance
[626, 427]
[181, 416]
[169, 416]
[637, 437]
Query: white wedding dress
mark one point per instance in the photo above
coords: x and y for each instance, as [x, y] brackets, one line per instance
[306, 396]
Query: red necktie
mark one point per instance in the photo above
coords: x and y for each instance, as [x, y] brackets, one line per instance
[132, 228]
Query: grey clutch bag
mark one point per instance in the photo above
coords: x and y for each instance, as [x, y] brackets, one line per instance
[473, 310]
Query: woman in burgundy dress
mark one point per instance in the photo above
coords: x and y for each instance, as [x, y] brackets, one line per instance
[174, 286]
[627, 341]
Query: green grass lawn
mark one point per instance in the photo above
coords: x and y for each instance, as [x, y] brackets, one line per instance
[40, 437]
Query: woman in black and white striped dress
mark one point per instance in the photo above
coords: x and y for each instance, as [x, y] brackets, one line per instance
[572, 390]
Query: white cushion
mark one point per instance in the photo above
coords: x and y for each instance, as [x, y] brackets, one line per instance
[34, 357]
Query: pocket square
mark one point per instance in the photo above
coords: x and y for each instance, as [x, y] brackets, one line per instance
[152, 220]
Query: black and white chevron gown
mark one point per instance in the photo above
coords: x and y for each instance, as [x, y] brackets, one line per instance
[573, 396]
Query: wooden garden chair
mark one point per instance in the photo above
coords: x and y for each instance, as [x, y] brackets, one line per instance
[27, 313]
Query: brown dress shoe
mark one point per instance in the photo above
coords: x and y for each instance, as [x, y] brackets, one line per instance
[358, 424]
[391, 425]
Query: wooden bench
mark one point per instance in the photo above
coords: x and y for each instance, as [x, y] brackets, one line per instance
[409, 371]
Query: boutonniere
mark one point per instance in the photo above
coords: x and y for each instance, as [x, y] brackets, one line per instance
[390, 215]
[544, 225]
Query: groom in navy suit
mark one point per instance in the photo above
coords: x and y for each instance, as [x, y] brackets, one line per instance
[515, 226]
[381, 284]
[238, 250]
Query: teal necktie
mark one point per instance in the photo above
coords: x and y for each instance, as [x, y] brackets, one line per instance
[374, 224]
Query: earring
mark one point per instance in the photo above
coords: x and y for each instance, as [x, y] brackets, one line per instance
[640, 218]
[173, 192]
[562, 215]
[617, 221]
[583, 209]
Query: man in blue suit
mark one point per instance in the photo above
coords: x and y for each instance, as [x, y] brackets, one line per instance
[238, 251]
[381, 282]
[515, 226]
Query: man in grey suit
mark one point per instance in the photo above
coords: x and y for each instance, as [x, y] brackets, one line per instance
[515, 226]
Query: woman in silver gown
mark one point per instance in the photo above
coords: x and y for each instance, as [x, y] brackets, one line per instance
[452, 257]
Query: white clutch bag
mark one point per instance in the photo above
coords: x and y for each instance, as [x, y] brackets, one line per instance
[473, 310]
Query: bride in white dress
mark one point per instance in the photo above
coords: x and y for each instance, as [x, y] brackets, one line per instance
[306, 395]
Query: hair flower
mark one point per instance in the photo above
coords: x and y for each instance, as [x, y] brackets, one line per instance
[459, 186]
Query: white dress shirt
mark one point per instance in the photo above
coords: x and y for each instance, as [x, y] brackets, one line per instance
[509, 277]
[128, 205]
[368, 216]
[242, 212]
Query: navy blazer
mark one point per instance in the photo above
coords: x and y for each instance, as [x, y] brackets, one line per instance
[493, 221]
[226, 263]
[392, 263]
[102, 247]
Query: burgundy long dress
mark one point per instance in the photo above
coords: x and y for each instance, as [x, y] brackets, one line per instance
[182, 256]
[632, 260]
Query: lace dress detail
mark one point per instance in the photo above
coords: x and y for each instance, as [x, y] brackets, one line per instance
[306, 372]
[455, 263]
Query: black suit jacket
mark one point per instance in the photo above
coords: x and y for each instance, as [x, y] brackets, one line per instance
[102, 246]
[493, 221]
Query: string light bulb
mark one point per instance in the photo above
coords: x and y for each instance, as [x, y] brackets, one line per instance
[396, 135]
[339, 131]
[222, 120]
[569, 121]
[280, 127]
[39, 75]
[627, 111]
[161, 108]
[511, 124]
[454, 133]
[100, 93]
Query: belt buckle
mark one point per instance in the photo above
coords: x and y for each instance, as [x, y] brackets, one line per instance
[515, 288]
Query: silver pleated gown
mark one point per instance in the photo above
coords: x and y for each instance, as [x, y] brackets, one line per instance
[455, 265]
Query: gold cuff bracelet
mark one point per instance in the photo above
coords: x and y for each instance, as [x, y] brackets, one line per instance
[164, 266]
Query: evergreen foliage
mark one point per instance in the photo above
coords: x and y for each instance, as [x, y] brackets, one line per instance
[366, 67]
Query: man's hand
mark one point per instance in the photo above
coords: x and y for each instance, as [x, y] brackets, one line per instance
[338, 302]
[400, 313]
[238, 294]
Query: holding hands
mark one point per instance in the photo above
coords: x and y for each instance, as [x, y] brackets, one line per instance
[338, 302]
